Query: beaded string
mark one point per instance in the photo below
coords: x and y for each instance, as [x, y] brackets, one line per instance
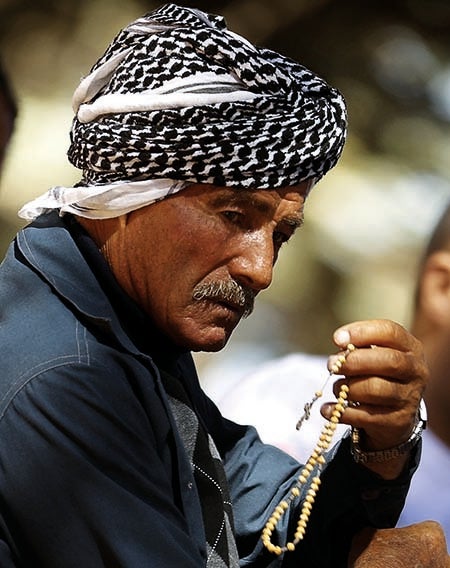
[315, 461]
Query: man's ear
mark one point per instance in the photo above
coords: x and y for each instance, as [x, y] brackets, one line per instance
[434, 295]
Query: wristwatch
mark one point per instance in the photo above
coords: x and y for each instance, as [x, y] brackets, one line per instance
[379, 456]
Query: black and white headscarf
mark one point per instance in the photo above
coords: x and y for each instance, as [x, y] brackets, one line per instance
[176, 99]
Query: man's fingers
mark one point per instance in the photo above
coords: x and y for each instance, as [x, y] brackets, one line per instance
[376, 332]
[381, 361]
[379, 391]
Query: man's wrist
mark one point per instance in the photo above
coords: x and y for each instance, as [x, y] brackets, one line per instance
[380, 456]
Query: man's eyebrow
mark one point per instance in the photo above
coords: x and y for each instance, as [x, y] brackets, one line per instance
[234, 197]
[294, 221]
[244, 196]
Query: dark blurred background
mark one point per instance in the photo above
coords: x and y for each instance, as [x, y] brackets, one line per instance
[366, 222]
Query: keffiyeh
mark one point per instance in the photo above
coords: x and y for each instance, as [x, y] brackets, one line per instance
[177, 99]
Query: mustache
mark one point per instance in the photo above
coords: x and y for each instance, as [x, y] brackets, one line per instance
[228, 291]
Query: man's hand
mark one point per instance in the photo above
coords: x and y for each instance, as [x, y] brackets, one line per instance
[421, 545]
[386, 375]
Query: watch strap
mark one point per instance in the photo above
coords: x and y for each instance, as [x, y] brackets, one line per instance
[379, 456]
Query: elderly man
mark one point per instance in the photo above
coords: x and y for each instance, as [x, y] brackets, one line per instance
[198, 151]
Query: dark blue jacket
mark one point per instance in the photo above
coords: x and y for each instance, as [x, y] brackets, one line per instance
[92, 470]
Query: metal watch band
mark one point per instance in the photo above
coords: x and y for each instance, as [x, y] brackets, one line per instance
[360, 456]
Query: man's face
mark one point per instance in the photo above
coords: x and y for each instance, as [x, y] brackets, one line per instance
[177, 257]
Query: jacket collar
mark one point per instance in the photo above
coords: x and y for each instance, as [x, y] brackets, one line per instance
[49, 247]
[64, 255]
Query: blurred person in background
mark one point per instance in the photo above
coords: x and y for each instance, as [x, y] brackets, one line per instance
[8, 113]
[285, 382]
[198, 151]
[429, 496]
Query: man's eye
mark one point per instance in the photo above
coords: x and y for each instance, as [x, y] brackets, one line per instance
[233, 216]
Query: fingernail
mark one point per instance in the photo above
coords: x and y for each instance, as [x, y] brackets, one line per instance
[334, 364]
[326, 410]
[342, 337]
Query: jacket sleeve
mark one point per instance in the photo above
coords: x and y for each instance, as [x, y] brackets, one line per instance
[350, 497]
[88, 477]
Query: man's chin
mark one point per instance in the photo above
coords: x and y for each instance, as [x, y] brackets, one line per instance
[211, 340]
[205, 335]
[211, 346]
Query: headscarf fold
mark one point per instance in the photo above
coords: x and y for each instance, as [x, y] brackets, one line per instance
[180, 99]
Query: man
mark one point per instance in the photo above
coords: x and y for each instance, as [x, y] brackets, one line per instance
[198, 151]
[299, 374]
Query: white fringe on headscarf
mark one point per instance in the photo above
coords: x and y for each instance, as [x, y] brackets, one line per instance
[101, 201]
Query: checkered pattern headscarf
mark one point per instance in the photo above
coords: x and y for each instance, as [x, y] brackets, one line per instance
[178, 99]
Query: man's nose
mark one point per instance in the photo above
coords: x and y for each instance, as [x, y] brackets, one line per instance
[252, 264]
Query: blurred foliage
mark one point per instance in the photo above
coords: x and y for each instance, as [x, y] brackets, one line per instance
[356, 255]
